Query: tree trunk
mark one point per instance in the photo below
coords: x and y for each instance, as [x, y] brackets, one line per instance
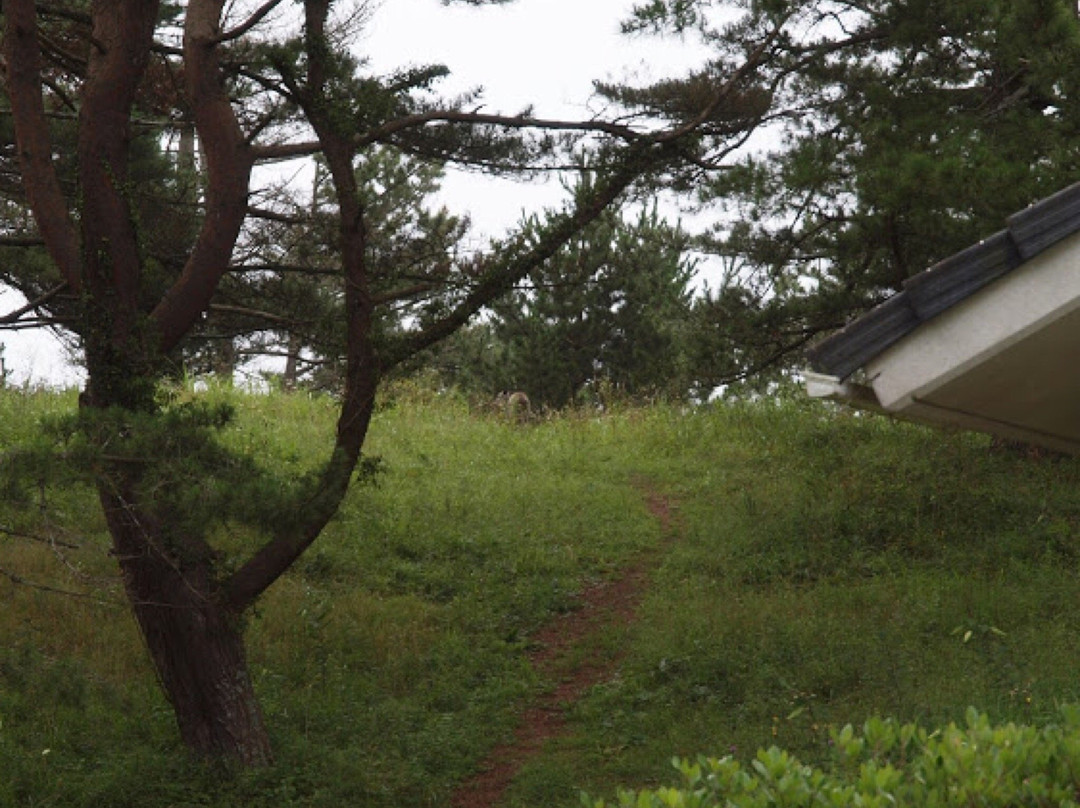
[292, 369]
[195, 641]
[198, 651]
[224, 360]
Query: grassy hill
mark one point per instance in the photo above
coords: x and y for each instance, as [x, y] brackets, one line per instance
[820, 567]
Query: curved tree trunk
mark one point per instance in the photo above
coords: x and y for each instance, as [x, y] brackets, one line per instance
[198, 652]
[195, 641]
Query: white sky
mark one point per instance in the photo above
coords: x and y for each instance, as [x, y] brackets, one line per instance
[540, 52]
[545, 53]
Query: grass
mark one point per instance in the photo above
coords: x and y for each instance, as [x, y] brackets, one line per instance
[829, 566]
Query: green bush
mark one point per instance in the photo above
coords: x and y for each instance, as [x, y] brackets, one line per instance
[891, 764]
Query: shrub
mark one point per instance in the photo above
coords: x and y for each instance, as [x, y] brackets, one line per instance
[891, 764]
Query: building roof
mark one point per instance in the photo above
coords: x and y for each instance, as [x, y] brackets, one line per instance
[1028, 233]
[987, 339]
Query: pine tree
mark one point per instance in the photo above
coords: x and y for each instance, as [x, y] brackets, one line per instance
[914, 141]
[609, 310]
[135, 267]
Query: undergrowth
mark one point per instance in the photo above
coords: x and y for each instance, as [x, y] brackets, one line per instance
[828, 566]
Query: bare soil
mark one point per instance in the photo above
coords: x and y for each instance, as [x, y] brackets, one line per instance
[612, 602]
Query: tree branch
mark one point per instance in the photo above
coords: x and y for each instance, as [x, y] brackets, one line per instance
[246, 312]
[403, 294]
[294, 268]
[274, 216]
[18, 534]
[361, 366]
[513, 264]
[14, 316]
[248, 24]
[65, 13]
[39, 177]
[111, 253]
[228, 168]
[39, 322]
[18, 580]
[745, 69]
[382, 133]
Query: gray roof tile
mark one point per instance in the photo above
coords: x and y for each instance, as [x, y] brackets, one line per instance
[948, 282]
[1047, 222]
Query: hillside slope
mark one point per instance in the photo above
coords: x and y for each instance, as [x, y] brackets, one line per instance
[828, 566]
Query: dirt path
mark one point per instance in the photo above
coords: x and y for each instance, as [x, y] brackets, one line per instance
[615, 601]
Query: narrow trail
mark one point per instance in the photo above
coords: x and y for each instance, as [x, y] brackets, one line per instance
[612, 602]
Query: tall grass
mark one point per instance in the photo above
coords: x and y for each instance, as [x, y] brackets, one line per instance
[833, 566]
[828, 566]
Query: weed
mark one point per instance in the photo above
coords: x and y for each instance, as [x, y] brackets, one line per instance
[828, 567]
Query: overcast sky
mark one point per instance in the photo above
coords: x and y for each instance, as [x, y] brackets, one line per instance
[544, 53]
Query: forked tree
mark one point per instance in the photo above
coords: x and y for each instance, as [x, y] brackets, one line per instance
[130, 246]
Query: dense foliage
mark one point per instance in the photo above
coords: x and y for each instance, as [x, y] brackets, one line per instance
[818, 568]
[133, 201]
[133, 190]
[888, 764]
[611, 310]
[926, 126]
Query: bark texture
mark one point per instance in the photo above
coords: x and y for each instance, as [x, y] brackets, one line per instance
[196, 642]
[194, 637]
[189, 610]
